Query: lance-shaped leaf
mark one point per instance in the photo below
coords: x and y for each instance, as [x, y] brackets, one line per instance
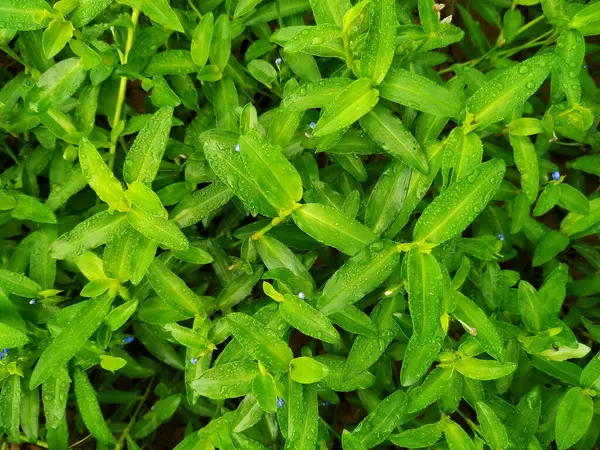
[378, 425]
[456, 437]
[307, 319]
[227, 164]
[366, 350]
[482, 328]
[264, 389]
[573, 417]
[100, 177]
[387, 196]
[275, 176]
[526, 160]
[276, 255]
[173, 290]
[391, 135]
[458, 206]
[158, 10]
[307, 370]
[315, 95]
[378, 51]
[361, 274]
[158, 229]
[350, 105]
[418, 186]
[56, 85]
[89, 408]
[91, 233]
[145, 155]
[329, 11]
[462, 154]
[508, 91]
[201, 40]
[492, 427]
[331, 227]
[425, 291]
[227, 380]
[200, 204]
[10, 406]
[56, 36]
[18, 284]
[319, 40]
[24, 15]
[71, 339]
[420, 93]
[483, 369]
[420, 437]
[260, 342]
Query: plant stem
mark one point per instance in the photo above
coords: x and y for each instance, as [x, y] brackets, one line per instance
[135, 14]
[134, 417]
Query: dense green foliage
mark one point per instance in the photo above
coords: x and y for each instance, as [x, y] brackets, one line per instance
[299, 224]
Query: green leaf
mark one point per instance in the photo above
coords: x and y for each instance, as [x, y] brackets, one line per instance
[456, 437]
[306, 319]
[227, 380]
[307, 370]
[485, 331]
[347, 107]
[492, 427]
[458, 205]
[361, 274]
[200, 204]
[463, 153]
[202, 38]
[274, 175]
[220, 46]
[527, 162]
[173, 290]
[262, 344]
[24, 15]
[420, 437]
[480, 369]
[158, 10]
[379, 48]
[551, 244]
[420, 93]
[144, 156]
[72, 338]
[18, 284]
[89, 409]
[573, 417]
[56, 36]
[265, 391]
[425, 291]
[387, 197]
[392, 136]
[158, 229]
[10, 406]
[56, 85]
[508, 91]
[379, 424]
[329, 11]
[333, 228]
[100, 177]
[161, 412]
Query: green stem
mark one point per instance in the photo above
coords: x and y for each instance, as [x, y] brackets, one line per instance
[191, 3]
[330, 428]
[528, 25]
[135, 14]
[134, 417]
[276, 221]
[39, 443]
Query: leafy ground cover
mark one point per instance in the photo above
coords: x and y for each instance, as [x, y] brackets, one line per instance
[299, 224]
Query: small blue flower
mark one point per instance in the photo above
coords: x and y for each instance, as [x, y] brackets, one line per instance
[278, 61]
[128, 340]
[280, 402]
[107, 349]
[193, 360]
[501, 236]
[313, 125]
[5, 351]
[33, 301]
[325, 403]
[1, 356]
[301, 295]
[237, 147]
[556, 175]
